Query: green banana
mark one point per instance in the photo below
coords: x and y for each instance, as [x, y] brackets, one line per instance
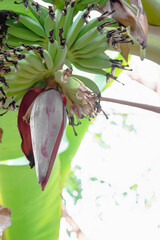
[94, 62]
[102, 48]
[74, 29]
[60, 57]
[35, 61]
[18, 79]
[52, 49]
[16, 89]
[96, 22]
[15, 92]
[59, 25]
[32, 24]
[15, 41]
[92, 45]
[49, 25]
[90, 70]
[20, 31]
[23, 73]
[15, 86]
[28, 67]
[48, 59]
[85, 39]
[57, 17]
[41, 16]
[19, 96]
[69, 19]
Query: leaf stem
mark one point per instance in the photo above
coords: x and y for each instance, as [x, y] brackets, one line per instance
[133, 104]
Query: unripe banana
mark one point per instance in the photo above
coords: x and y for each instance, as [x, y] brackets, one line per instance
[92, 23]
[57, 17]
[74, 29]
[20, 31]
[35, 61]
[20, 80]
[60, 57]
[59, 25]
[92, 45]
[14, 78]
[13, 91]
[85, 39]
[102, 48]
[19, 94]
[94, 62]
[16, 86]
[22, 73]
[41, 16]
[32, 24]
[14, 41]
[48, 59]
[28, 67]
[69, 20]
[49, 25]
[52, 49]
[90, 70]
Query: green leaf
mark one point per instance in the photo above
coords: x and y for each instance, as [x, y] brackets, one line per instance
[35, 214]
[93, 179]
[152, 9]
[73, 186]
[73, 145]
[134, 187]
[125, 194]
[10, 148]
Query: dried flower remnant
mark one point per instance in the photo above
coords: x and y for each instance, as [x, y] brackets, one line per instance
[1, 134]
[5, 219]
[132, 16]
[81, 102]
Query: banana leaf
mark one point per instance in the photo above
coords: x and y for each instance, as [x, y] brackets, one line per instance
[35, 215]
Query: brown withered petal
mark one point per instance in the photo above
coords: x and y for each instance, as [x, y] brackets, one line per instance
[5, 219]
[124, 47]
[1, 133]
[136, 20]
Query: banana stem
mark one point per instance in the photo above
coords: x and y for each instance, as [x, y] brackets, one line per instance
[133, 104]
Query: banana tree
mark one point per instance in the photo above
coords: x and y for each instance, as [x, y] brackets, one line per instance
[41, 48]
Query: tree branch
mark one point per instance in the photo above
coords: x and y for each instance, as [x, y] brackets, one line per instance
[133, 104]
[73, 224]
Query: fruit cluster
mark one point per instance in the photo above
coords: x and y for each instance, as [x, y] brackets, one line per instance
[37, 54]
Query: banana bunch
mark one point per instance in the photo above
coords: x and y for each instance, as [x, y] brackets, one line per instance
[35, 47]
[37, 55]
[50, 39]
[80, 4]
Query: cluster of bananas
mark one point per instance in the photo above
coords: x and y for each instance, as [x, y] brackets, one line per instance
[80, 5]
[37, 55]
[35, 48]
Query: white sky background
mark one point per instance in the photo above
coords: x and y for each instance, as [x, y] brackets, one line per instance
[133, 158]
